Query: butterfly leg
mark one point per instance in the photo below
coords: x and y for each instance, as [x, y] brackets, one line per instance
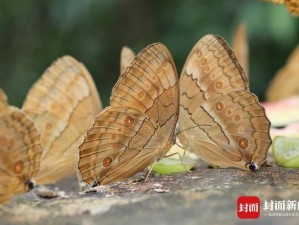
[5, 209]
[188, 168]
[82, 185]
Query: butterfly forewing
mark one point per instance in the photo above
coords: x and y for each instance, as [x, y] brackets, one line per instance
[211, 61]
[3, 103]
[20, 152]
[224, 124]
[291, 5]
[138, 127]
[147, 85]
[286, 81]
[126, 58]
[240, 47]
[62, 103]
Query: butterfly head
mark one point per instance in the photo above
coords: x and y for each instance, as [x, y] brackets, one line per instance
[252, 166]
[94, 183]
[29, 185]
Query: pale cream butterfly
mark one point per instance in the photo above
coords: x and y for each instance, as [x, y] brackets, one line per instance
[292, 5]
[241, 47]
[286, 81]
[127, 56]
[137, 128]
[62, 104]
[220, 120]
[20, 151]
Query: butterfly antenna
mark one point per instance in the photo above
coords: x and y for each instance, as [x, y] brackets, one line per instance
[150, 170]
[188, 169]
[5, 209]
[82, 186]
[178, 130]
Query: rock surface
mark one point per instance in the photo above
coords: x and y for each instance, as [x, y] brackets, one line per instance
[206, 196]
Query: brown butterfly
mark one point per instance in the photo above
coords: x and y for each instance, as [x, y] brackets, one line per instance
[292, 5]
[137, 128]
[63, 104]
[20, 151]
[286, 81]
[220, 120]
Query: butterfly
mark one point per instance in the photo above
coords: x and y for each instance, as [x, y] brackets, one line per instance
[292, 5]
[20, 151]
[220, 120]
[126, 58]
[240, 47]
[137, 128]
[286, 81]
[62, 104]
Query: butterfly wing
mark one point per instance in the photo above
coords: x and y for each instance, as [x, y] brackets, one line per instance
[240, 47]
[150, 85]
[20, 151]
[211, 61]
[291, 5]
[220, 120]
[285, 82]
[62, 103]
[126, 58]
[275, 1]
[3, 103]
[120, 143]
[138, 127]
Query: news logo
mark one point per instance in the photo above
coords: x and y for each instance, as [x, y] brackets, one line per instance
[248, 207]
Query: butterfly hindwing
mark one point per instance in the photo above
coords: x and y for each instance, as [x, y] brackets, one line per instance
[120, 136]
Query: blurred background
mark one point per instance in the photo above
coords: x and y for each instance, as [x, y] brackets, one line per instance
[35, 33]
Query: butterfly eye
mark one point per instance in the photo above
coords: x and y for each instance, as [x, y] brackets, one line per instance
[29, 185]
[252, 166]
[94, 184]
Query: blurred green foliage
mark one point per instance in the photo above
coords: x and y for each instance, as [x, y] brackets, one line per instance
[35, 33]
